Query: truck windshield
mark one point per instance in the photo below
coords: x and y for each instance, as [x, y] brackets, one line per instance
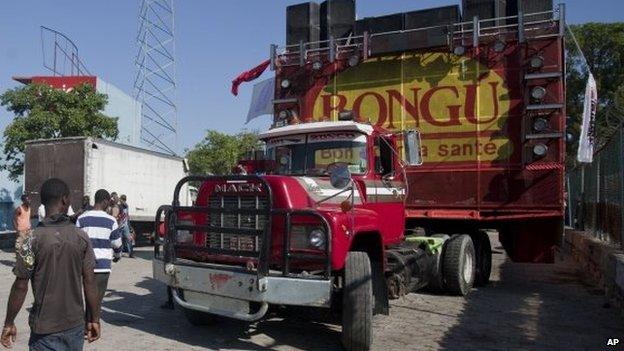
[312, 154]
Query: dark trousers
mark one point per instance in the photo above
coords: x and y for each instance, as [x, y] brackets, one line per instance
[67, 340]
[101, 283]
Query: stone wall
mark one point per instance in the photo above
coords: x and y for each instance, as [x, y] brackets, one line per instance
[602, 264]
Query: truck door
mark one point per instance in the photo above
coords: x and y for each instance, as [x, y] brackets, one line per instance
[386, 194]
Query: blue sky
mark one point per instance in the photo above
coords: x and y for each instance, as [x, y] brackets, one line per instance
[215, 40]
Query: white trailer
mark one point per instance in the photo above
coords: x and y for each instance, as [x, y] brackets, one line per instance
[146, 177]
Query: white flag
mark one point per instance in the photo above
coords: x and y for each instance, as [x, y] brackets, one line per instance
[262, 99]
[588, 128]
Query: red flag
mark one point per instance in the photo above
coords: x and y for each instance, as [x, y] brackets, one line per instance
[249, 75]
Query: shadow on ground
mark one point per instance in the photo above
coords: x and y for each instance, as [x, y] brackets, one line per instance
[142, 312]
[534, 307]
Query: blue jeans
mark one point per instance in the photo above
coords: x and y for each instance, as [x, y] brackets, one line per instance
[127, 239]
[68, 340]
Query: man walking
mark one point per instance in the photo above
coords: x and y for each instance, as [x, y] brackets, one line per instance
[58, 260]
[124, 224]
[105, 238]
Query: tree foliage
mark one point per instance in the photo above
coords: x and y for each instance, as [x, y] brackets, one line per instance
[42, 112]
[218, 153]
[603, 47]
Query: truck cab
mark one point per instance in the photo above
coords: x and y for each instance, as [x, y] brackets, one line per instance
[323, 225]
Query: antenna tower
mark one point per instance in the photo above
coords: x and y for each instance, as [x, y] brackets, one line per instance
[155, 80]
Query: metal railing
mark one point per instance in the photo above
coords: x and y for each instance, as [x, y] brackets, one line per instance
[596, 193]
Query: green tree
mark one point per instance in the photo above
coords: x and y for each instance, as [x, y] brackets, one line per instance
[603, 47]
[218, 153]
[42, 112]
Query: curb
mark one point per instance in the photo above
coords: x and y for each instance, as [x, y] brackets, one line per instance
[601, 263]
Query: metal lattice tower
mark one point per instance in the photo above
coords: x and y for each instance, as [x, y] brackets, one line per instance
[155, 81]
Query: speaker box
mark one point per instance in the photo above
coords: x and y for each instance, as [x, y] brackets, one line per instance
[337, 18]
[302, 23]
[381, 24]
[535, 6]
[435, 17]
[484, 9]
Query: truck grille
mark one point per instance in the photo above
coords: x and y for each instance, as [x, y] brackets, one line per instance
[236, 242]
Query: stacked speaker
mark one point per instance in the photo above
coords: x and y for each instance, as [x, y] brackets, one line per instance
[337, 18]
[440, 18]
[302, 23]
[485, 9]
[309, 22]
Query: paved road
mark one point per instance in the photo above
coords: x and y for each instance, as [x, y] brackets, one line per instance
[526, 307]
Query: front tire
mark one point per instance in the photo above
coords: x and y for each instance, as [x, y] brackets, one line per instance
[459, 265]
[357, 303]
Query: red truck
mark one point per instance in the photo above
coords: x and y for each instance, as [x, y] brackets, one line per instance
[389, 156]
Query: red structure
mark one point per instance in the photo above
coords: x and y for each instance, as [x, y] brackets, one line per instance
[64, 83]
[491, 110]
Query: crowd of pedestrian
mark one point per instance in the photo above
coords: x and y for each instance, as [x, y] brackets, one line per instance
[67, 258]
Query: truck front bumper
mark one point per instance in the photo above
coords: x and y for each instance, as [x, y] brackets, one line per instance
[228, 293]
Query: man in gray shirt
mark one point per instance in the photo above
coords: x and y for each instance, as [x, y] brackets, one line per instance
[58, 259]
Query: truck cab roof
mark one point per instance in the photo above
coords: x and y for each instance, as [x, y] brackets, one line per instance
[318, 127]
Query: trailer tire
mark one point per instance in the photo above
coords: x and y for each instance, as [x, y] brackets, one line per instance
[458, 265]
[198, 318]
[357, 303]
[483, 251]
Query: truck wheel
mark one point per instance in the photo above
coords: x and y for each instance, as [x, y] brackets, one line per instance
[198, 318]
[458, 266]
[357, 303]
[483, 250]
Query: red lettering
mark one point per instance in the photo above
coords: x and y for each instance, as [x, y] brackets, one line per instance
[453, 109]
[411, 109]
[381, 104]
[328, 107]
[471, 99]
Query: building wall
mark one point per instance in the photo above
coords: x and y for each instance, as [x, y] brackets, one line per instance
[124, 107]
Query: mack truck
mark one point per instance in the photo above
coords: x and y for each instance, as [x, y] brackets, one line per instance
[393, 149]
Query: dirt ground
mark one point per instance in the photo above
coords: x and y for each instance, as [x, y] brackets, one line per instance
[525, 307]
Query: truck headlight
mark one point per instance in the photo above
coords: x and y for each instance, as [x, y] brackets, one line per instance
[305, 237]
[317, 238]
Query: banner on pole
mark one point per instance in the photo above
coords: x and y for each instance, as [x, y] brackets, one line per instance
[262, 99]
[588, 128]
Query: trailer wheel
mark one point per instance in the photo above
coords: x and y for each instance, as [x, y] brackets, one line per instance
[357, 303]
[198, 318]
[483, 250]
[458, 265]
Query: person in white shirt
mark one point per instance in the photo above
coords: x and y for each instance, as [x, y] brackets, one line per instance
[105, 237]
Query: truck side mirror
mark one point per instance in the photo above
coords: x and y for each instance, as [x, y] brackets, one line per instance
[339, 175]
[411, 143]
